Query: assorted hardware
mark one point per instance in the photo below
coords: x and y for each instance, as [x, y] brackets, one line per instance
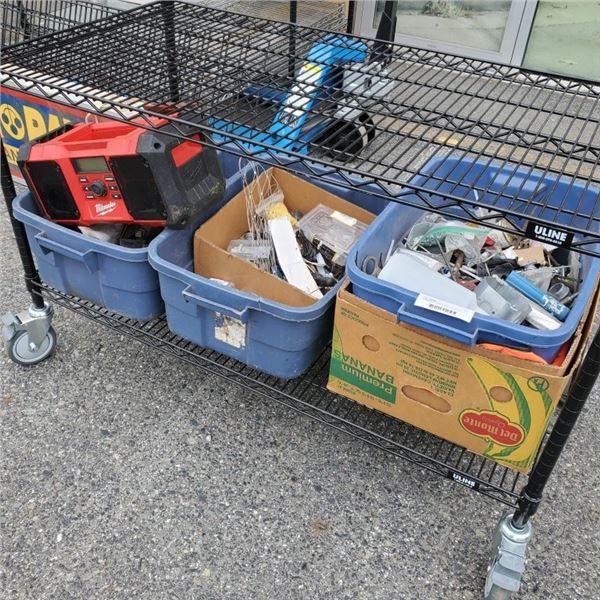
[309, 250]
[465, 265]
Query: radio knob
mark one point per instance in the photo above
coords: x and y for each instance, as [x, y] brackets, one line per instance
[98, 188]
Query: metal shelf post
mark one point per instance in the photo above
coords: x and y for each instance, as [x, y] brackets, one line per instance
[581, 387]
[32, 279]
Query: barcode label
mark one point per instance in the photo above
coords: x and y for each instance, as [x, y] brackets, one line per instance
[444, 308]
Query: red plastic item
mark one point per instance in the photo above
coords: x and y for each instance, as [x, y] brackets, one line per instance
[98, 173]
[93, 185]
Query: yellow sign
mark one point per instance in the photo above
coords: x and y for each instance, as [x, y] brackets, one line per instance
[21, 122]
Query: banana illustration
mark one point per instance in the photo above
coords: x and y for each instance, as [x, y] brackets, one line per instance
[521, 400]
[337, 340]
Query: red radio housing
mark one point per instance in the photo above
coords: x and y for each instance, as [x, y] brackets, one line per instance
[110, 172]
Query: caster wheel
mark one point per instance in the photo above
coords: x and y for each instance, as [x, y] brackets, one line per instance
[20, 351]
[498, 593]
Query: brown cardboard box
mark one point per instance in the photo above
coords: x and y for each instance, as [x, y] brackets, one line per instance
[494, 405]
[211, 240]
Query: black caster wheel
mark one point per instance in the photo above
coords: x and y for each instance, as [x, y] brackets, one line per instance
[20, 350]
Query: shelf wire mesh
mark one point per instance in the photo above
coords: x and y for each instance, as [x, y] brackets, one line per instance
[217, 66]
[26, 19]
[23, 20]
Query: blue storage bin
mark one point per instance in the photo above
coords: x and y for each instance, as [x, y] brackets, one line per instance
[500, 183]
[278, 339]
[121, 279]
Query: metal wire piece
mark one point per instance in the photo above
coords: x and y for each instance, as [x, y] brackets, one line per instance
[258, 186]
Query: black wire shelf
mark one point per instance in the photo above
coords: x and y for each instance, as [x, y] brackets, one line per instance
[26, 19]
[215, 66]
[309, 396]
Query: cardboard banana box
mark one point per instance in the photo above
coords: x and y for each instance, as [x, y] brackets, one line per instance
[489, 403]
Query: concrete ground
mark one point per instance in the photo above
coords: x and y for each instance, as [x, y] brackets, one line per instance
[126, 474]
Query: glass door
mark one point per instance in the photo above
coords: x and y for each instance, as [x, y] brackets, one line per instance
[565, 39]
[494, 30]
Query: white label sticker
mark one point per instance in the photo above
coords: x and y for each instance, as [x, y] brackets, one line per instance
[342, 218]
[230, 330]
[444, 308]
[289, 258]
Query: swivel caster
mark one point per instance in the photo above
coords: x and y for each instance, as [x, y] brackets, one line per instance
[29, 335]
[507, 562]
[24, 352]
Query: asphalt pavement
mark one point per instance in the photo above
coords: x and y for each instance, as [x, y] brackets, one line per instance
[127, 474]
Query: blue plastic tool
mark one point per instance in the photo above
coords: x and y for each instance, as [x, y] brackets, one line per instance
[546, 301]
[299, 120]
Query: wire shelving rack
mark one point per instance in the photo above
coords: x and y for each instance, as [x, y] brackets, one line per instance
[196, 65]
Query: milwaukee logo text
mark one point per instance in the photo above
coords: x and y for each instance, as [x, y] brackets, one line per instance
[104, 209]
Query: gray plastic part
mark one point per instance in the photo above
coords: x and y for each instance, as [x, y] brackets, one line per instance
[35, 321]
[500, 300]
[508, 561]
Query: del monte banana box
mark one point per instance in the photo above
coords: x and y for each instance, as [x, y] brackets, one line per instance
[491, 404]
